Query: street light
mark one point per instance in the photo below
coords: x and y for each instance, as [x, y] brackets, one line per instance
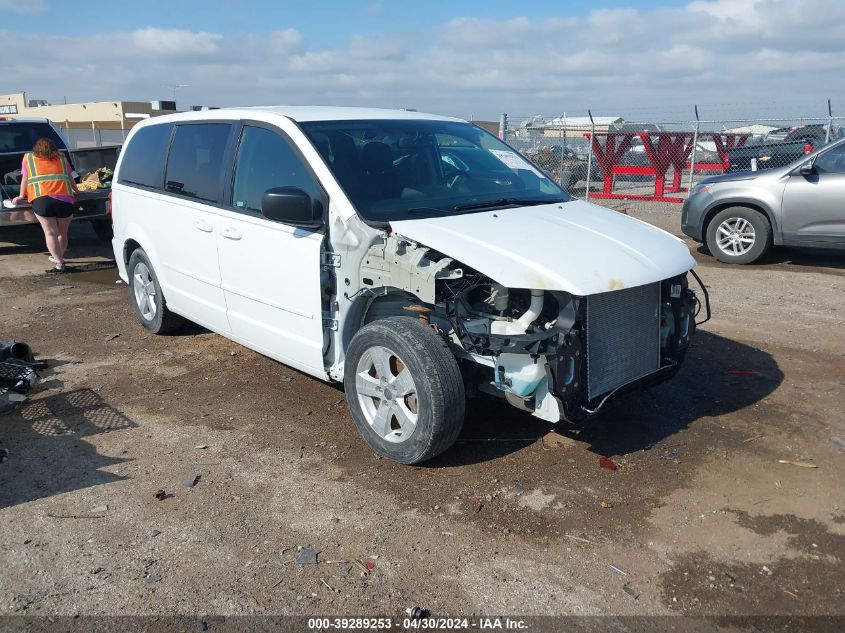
[175, 88]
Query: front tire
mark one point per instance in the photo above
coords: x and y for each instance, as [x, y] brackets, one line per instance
[147, 298]
[404, 390]
[739, 235]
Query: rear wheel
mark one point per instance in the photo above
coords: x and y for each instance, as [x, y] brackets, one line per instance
[147, 298]
[739, 235]
[404, 389]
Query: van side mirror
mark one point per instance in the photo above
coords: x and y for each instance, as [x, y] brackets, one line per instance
[807, 168]
[291, 206]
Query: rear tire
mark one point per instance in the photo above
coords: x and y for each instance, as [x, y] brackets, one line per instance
[738, 235]
[404, 390]
[148, 300]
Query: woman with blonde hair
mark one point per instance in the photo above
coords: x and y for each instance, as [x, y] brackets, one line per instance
[47, 183]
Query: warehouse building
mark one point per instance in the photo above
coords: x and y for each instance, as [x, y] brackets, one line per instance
[86, 124]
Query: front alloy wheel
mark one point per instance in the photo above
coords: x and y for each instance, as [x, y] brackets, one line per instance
[387, 394]
[735, 236]
[404, 389]
[738, 235]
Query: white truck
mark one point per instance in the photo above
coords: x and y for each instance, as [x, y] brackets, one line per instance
[17, 136]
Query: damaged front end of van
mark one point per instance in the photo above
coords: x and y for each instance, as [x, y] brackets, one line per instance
[585, 318]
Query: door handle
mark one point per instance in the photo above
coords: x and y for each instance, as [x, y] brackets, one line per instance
[203, 226]
[231, 233]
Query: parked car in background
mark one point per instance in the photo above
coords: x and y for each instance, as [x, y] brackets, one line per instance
[413, 257]
[813, 132]
[563, 164]
[781, 147]
[740, 215]
[92, 166]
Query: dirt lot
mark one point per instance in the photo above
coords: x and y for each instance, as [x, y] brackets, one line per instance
[518, 518]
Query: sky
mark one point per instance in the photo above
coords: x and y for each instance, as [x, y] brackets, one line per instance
[642, 59]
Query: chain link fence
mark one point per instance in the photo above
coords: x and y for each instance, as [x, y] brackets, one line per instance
[621, 163]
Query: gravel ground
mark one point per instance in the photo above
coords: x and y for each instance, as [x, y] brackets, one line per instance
[517, 518]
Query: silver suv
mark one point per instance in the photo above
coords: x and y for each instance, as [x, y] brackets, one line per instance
[740, 215]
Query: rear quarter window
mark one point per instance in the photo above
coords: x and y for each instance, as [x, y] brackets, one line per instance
[144, 156]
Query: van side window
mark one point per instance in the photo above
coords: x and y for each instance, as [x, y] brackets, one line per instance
[143, 156]
[266, 160]
[196, 156]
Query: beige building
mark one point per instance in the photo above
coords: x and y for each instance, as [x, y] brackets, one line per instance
[579, 125]
[490, 126]
[86, 124]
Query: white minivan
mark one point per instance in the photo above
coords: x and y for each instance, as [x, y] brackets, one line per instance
[416, 258]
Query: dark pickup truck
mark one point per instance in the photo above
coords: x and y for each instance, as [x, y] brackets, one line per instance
[781, 147]
[17, 137]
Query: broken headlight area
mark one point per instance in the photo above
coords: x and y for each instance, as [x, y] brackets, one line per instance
[515, 335]
[562, 356]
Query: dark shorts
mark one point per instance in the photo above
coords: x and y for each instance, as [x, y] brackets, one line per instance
[48, 207]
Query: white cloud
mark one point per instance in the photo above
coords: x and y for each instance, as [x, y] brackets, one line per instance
[725, 10]
[615, 26]
[286, 41]
[753, 52]
[155, 41]
[23, 6]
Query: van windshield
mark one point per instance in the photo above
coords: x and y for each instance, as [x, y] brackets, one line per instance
[397, 169]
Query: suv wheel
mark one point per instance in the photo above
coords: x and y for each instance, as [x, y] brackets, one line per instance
[404, 389]
[147, 298]
[739, 235]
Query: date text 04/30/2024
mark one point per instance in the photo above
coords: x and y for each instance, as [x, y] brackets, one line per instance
[359, 623]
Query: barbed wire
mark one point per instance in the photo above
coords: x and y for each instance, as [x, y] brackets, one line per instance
[783, 109]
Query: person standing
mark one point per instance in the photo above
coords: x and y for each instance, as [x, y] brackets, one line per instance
[47, 183]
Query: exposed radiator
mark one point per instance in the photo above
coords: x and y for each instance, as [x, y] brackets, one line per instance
[623, 337]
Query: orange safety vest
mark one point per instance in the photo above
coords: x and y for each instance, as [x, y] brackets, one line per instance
[46, 177]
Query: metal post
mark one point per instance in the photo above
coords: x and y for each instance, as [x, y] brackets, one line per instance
[692, 156]
[503, 127]
[564, 129]
[94, 133]
[590, 153]
[561, 123]
[829, 123]
[122, 122]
